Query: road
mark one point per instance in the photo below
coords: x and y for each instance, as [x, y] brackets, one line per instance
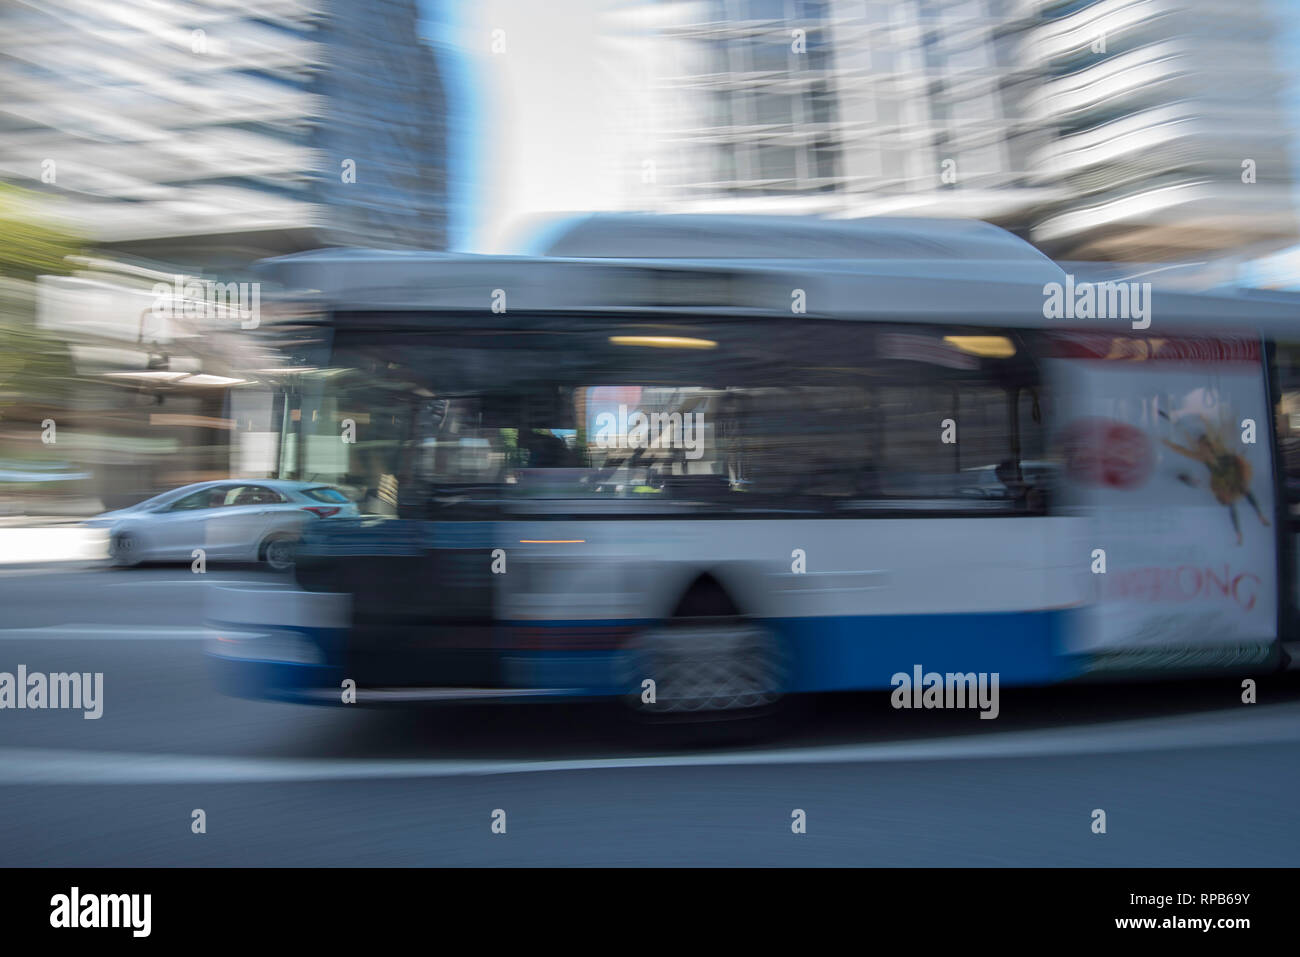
[1186, 774]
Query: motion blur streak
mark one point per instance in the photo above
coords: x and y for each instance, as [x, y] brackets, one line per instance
[802, 317]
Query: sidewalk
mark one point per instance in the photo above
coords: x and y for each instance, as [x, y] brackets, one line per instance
[37, 539]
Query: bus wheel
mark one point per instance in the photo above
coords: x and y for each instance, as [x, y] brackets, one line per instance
[707, 668]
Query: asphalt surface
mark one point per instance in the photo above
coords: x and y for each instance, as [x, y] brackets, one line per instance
[1186, 773]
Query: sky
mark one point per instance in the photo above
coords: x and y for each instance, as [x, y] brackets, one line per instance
[524, 140]
[557, 74]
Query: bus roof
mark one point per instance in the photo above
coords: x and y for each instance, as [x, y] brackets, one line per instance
[953, 271]
[718, 237]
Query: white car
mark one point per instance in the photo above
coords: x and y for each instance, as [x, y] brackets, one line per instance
[233, 520]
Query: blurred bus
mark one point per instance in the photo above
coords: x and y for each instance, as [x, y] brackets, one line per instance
[703, 463]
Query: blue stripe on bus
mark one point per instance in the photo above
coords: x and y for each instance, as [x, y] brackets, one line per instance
[271, 680]
[860, 652]
[864, 652]
[409, 537]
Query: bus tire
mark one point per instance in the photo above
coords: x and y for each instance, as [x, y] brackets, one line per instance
[706, 663]
[708, 667]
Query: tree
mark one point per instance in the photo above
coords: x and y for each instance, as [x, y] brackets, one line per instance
[35, 367]
[29, 247]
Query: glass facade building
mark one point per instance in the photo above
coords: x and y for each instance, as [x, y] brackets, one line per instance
[211, 133]
[1099, 129]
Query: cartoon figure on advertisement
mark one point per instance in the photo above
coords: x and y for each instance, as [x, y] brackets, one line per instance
[1230, 473]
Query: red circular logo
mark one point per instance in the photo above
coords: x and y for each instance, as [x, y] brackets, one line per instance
[1107, 453]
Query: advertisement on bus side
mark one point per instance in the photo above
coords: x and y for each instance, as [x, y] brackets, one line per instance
[1164, 447]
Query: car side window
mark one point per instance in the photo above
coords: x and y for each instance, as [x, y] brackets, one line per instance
[204, 498]
[252, 495]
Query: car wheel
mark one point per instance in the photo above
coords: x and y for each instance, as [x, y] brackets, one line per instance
[278, 553]
[124, 549]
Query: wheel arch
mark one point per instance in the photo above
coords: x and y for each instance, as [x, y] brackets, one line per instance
[731, 589]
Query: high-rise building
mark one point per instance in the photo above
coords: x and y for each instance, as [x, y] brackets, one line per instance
[856, 108]
[1171, 137]
[1099, 129]
[214, 132]
[183, 139]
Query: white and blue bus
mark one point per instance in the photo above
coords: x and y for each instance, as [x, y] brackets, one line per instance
[743, 458]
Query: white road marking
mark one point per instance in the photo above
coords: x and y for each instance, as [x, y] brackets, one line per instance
[49, 568]
[1242, 726]
[116, 632]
